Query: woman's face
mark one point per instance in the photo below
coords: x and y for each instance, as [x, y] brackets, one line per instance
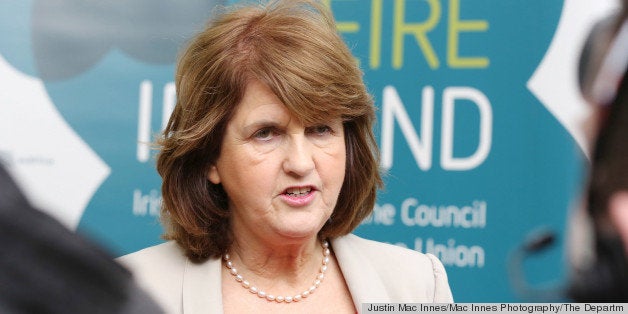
[282, 178]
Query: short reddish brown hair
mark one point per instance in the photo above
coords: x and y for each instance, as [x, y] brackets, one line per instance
[292, 47]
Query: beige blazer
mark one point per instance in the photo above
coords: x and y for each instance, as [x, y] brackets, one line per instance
[375, 272]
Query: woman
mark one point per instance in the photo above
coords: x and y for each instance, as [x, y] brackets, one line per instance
[268, 163]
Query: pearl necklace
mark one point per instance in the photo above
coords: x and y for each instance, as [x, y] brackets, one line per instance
[279, 299]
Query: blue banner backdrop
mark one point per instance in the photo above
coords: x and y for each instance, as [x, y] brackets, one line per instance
[475, 156]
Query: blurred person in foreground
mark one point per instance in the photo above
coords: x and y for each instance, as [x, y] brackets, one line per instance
[46, 268]
[268, 164]
[603, 65]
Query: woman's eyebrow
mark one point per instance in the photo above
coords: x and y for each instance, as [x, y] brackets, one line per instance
[262, 123]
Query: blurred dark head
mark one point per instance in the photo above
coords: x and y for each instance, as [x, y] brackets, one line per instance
[603, 83]
[45, 268]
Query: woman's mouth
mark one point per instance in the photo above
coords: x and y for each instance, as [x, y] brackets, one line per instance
[298, 191]
[299, 196]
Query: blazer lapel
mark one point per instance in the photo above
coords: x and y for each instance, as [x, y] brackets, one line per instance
[362, 279]
[202, 287]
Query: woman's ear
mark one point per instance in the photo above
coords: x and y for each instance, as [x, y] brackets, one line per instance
[618, 212]
[212, 175]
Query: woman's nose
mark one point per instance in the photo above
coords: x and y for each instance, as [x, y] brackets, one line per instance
[299, 159]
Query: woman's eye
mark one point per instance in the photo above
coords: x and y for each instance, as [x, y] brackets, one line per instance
[264, 134]
[321, 130]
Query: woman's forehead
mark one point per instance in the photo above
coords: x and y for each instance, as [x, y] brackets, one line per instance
[259, 99]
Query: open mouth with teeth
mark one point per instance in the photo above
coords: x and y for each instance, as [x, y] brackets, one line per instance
[298, 191]
[299, 196]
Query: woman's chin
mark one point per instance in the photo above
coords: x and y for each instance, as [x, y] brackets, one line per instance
[299, 233]
[300, 226]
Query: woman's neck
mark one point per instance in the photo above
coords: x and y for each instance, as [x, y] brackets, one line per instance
[267, 259]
